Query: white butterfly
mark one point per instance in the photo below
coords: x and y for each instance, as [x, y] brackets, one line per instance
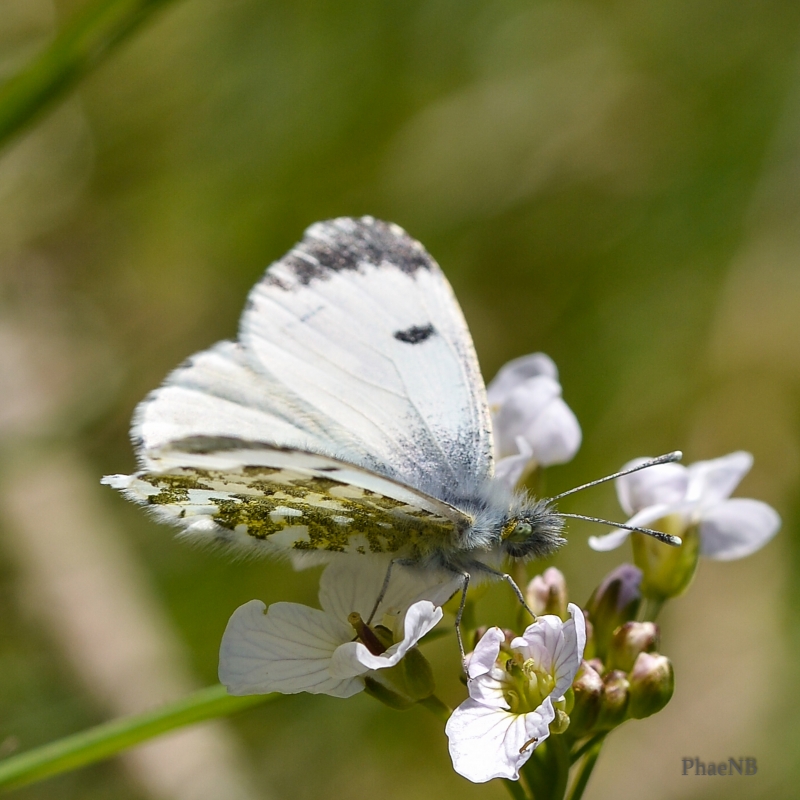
[350, 416]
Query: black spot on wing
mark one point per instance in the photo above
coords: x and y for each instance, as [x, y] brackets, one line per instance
[347, 244]
[415, 334]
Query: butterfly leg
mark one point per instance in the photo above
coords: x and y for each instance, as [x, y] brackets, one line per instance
[384, 587]
[517, 591]
[504, 576]
[459, 614]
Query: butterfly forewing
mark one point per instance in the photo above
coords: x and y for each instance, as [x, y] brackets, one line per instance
[359, 321]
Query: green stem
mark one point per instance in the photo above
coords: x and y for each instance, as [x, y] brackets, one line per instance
[515, 789]
[437, 707]
[80, 46]
[585, 771]
[111, 738]
[563, 765]
[651, 608]
[547, 770]
[587, 745]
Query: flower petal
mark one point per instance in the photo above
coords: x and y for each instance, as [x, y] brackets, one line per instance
[488, 743]
[736, 528]
[569, 651]
[353, 658]
[555, 646]
[662, 483]
[348, 585]
[555, 434]
[512, 469]
[518, 413]
[481, 659]
[489, 689]
[286, 650]
[539, 641]
[644, 518]
[715, 480]
[353, 584]
[516, 372]
[414, 584]
[609, 541]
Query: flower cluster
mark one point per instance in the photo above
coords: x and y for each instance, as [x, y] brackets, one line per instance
[574, 674]
[623, 677]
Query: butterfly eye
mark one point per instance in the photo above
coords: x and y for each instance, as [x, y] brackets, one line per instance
[520, 532]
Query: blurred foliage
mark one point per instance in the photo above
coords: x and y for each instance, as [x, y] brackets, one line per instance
[79, 46]
[614, 183]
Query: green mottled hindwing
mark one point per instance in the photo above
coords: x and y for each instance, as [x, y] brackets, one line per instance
[285, 509]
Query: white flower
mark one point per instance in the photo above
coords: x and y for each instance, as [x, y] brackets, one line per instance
[511, 696]
[697, 495]
[532, 423]
[293, 648]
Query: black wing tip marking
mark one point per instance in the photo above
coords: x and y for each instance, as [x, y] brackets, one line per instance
[415, 334]
[346, 243]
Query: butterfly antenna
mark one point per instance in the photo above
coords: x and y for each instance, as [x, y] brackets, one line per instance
[667, 458]
[662, 537]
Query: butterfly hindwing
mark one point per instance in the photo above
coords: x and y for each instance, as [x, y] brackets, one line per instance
[215, 393]
[280, 501]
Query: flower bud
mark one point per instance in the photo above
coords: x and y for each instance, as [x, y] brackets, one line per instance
[628, 641]
[560, 723]
[588, 693]
[652, 682]
[419, 682]
[667, 571]
[614, 602]
[614, 703]
[597, 665]
[547, 593]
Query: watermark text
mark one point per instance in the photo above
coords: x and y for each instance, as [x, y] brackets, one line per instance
[733, 766]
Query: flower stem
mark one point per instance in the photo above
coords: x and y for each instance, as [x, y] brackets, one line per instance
[547, 770]
[437, 707]
[651, 608]
[587, 745]
[515, 789]
[79, 47]
[587, 765]
[110, 738]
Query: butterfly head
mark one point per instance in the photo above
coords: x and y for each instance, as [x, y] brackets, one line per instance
[533, 531]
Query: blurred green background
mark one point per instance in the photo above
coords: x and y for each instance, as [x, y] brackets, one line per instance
[616, 184]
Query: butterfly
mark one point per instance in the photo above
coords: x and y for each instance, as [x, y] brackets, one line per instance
[349, 417]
